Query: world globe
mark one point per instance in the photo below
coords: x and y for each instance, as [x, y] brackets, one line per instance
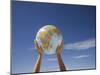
[49, 38]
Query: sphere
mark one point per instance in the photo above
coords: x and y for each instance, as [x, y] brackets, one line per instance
[49, 38]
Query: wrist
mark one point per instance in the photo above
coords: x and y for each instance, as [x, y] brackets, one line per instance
[59, 55]
[40, 55]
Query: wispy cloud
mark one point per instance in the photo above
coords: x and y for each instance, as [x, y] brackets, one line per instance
[52, 59]
[86, 44]
[81, 56]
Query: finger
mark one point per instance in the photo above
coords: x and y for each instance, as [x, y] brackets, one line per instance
[36, 44]
[39, 48]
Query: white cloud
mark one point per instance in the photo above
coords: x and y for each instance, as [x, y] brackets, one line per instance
[81, 56]
[52, 59]
[81, 45]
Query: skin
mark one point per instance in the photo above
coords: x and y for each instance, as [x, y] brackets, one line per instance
[60, 61]
[58, 53]
[39, 60]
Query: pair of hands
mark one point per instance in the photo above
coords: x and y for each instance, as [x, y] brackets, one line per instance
[58, 53]
[40, 51]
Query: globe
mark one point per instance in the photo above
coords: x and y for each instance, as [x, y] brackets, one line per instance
[49, 38]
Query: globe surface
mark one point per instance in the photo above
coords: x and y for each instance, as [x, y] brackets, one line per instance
[49, 37]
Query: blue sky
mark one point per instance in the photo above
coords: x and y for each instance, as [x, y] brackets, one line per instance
[76, 23]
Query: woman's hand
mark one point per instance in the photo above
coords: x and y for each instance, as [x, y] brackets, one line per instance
[60, 61]
[59, 48]
[39, 49]
[39, 60]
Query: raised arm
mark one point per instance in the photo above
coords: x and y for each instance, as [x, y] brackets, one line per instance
[38, 64]
[60, 61]
[39, 60]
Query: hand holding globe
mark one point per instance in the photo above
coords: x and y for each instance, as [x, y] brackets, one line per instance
[59, 48]
[38, 48]
[49, 41]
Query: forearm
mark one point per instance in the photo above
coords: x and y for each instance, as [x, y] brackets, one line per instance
[38, 64]
[61, 64]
